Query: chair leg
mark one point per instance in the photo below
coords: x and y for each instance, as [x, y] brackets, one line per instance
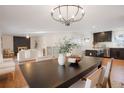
[13, 75]
[109, 83]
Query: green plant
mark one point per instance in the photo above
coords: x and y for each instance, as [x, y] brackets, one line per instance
[66, 46]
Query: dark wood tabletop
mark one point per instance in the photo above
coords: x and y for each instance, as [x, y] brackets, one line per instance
[49, 74]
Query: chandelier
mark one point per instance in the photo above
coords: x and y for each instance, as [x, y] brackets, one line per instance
[67, 14]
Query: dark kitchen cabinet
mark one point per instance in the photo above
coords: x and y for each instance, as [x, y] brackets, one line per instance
[117, 53]
[102, 37]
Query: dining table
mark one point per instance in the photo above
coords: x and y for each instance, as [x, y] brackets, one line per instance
[49, 74]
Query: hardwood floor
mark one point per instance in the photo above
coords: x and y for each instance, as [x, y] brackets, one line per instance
[19, 81]
[117, 69]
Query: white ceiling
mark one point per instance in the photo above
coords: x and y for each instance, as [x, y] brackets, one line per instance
[36, 19]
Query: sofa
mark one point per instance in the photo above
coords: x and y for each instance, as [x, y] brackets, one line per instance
[31, 55]
[26, 55]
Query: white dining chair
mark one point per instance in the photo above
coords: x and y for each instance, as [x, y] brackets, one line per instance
[98, 79]
[104, 77]
[93, 80]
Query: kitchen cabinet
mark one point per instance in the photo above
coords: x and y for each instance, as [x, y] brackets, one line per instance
[102, 37]
[117, 53]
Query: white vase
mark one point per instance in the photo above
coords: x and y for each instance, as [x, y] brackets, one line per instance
[61, 59]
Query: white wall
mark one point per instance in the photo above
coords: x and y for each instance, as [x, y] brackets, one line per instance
[54, 38]
[7, 42]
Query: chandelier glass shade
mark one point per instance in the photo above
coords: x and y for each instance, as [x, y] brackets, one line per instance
[67, 14]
